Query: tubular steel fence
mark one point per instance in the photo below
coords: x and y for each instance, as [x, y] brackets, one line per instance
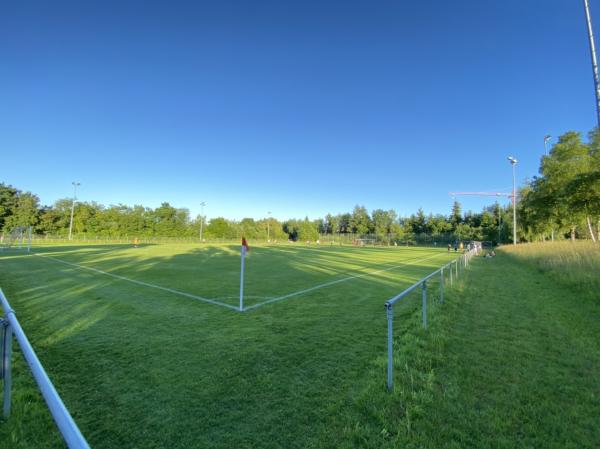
[10, 326]
[451, 271]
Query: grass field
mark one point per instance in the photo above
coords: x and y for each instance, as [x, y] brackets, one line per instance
[509, 360]
[146, 350]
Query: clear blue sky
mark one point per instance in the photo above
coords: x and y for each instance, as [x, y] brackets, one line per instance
[299, 108]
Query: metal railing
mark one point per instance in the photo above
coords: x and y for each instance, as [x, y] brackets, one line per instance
[10, 326]
[454, 268]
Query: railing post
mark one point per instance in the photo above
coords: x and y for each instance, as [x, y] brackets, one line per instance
[450, 269]
[424, 289]
[390, 367]
[6, 366]
[442, 284]
[456, 266]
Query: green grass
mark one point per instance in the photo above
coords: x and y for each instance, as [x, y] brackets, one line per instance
[510, 360]
[574, 263]
[142, 367]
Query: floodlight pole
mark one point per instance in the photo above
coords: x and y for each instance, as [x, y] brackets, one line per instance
[513, 162]
[269, 227]
[202, 204]
[75, 185]
[546, 140]
[588, 17]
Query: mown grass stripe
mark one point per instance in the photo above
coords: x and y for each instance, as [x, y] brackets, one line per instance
[145, 284]
[337, 281]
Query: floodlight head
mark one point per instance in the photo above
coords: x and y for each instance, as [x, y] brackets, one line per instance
[547, 138]
[512, 160]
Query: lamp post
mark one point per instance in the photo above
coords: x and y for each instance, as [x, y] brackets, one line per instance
[588, 18]
[202, 204]
[75, 185]
[546, 140]
[269, 227]
[513, 162]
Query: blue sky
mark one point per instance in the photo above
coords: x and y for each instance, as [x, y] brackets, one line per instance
[299, 108]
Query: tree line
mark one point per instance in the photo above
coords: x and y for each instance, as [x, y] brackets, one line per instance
[562, 202]
[90, 219]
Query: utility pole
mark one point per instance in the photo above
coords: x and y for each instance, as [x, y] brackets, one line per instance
[202, 204]
[513, 162]
[75, 185]
[588, 17]
[269, 227]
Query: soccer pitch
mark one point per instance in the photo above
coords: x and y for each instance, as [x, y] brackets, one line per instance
[147, 349]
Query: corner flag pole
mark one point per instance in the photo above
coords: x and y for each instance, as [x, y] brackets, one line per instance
[243, 254]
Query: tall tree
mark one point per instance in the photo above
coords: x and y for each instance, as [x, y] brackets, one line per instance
[569, 159]
[307, 231]
[360, 223]
[456, 214]
[8, 200]
[24, 211]
[381, 223]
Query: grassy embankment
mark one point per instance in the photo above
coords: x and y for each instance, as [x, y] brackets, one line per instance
[512, 360]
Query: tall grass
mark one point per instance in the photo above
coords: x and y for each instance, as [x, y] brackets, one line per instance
[576, 263]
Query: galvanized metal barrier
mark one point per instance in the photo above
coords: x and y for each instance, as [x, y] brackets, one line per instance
[65, 423]
[454, 268]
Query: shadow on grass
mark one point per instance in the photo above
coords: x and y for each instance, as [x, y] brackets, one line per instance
[145, 368]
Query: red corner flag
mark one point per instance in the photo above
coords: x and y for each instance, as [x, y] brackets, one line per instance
[245, 244]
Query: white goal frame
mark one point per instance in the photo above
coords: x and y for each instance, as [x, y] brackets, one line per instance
[17, 238]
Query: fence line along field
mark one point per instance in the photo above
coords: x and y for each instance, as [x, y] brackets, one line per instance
[140, 362]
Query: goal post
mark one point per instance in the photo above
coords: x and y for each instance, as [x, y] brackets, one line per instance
[364, 242]
[18, 237]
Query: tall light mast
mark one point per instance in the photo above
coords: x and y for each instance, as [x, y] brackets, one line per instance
[202, 204]
[509, 195]
[588, 17]
[75, 185]
[513, 162]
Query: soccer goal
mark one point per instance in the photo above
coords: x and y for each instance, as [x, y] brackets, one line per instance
[364, 242]
[17, 238]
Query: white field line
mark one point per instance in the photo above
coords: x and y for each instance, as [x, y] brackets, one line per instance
[337, 281]
[145, 284]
